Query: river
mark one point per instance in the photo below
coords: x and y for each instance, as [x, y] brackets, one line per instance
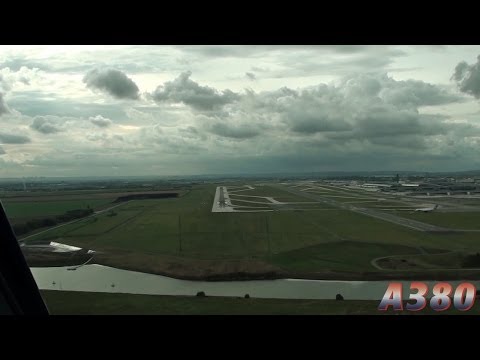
[99, 278]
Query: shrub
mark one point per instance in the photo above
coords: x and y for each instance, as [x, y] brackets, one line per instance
[471, 261]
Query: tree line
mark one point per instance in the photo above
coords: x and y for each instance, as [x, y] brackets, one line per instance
[33, 224]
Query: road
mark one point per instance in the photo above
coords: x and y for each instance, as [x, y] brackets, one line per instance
[74, 221]
[412, 224]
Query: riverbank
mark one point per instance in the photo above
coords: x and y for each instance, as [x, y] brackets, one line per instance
[253, 269]
[85, 303]
[234, 270]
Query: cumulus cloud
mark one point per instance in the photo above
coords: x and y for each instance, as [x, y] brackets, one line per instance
[360, 106]
[113, 82]
[45, 125]
[308, 123]
[3, 84]
[3, 105]
[10, 78]
[467, 78]
[359, 112]
[355, 120]
[100, 121]
[6, 138]
[16, 63]
[414, 93]
[186, 91]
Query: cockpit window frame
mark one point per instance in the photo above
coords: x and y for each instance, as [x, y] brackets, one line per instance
[18, 288]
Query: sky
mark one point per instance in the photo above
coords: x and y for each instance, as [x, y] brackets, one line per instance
[240, 109]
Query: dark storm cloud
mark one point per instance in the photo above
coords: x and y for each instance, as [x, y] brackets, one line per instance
[417, 93]
[387, 121]
[309, 121]
[45, 125]
[3, 106]
[314, 125]
[463, 130]
[467, 78]
[234, 132]
[186, 91]
[6, 138]
[100, 121]
[364, 107]
[112, 81]
[401, 141]
[250, 76]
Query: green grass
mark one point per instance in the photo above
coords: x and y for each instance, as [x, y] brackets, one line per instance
[83, 303]
[252, 208]
[345, 256]
[79, 194]
[103, 223]
[19, 209]
[454, 220]
[269, 191]
[387, 204]
[310, 241]
[451, 260]
[346, 198]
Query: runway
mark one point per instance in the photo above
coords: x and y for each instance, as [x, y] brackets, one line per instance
[412, 224]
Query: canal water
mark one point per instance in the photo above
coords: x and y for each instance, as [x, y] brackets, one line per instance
[99, 278]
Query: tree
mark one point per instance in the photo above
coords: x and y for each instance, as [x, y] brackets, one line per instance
[339, 297]
[201, 294]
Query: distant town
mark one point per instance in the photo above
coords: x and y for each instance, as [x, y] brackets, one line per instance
[402, 182]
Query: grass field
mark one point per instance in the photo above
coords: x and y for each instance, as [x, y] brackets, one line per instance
[154, 225]
[23, 209]
[292, 241]
[82, 303]
[447, 260]
[25, 205]
[456, 220]
[262, 190]
[343, 256]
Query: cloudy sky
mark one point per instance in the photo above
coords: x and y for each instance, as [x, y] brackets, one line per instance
[181, 110]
